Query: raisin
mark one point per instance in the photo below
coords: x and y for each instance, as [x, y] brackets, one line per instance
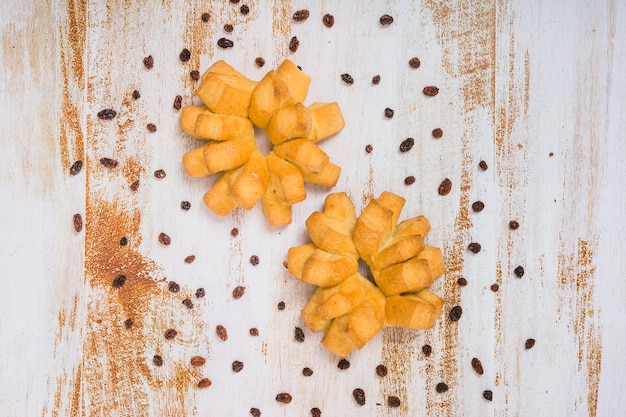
[488, 395]
[173, 287]
[237, 366]
[189, 259]
[474, 247]
[187, 303]
[513, 225]
[157, 360]
[328, 20]
[128, 323]
[393, 401]
[407, 145]
[455, 313]
[254, 331]
[194, 75]
[494, 287]
[409, 180]
[478, 206]
[205, 17]
[477, 365]
[221, 332]
[204, 383]
[255, 412]
[294, 43]
[136, 95]
[123, 241]
[519, 271]
[301, 15]
[430, 91]
[170, 334]
[185, 55]
[284, 398]
[427, 350]
[225, 43]
[234, 232]
[200, 293]
[441, 387]
[107, 114]
[164, 239]
[228, 28]
[151, 127]
[234, 1]
[148, 62]
[385, 20]
[160, 174]
[389, 113]
[347, 78]
[134, 186]
[259, 62]
[178, 102]
[78, 222]
[298, 334]
[316, 412]
[414, 62]
[462, 282]
[119, 281]
[307, 371]
[185, 205]
[343, 364]
[437, 133]
[108, 162]
[244, 9]
[359, 396]
[483, 165]
[281, 305]
[445, 187]
[76, 167]
[369, 148]
[529, 343]
[376, 79]
[381, 370]
[238, 292]
[197, 361]
[254, 260]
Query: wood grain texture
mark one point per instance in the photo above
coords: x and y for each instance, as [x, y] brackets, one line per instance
[533, 89]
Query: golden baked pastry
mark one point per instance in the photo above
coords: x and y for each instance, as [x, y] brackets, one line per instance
[346, 306]
[232, 105]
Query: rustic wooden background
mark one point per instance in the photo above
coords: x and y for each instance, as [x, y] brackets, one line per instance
[535, 89]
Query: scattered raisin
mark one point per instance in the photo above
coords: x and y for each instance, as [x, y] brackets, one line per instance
[519, 271]
[164, 239]
[160, 174]
[445, 187]
[170, 334]
[189, 259]
[134, 186]
[369, 148]
[414, 62]
[185, 205]
[178, 102]
[244, 9]
[108, 162]
[386, 20]
[381, 370]
[204, 383]
[151, 127]
[478, 366]
[393, 401]
[185, 55]
[455, 313]
[430, 91]
[347, 78]
[376, 79]
[483, 165]
[254, 331]
[107, 114]
[298, 334]
[513, 225]
[281, 305]
[194, 75]
[225, 43]
[237, 366]
[205, 17]
[427, 350]
[128, 323]
[343, 364]
[462, 282]
[407, 145]
[409, 180]
[474, 247]
[254, 260]
[255, 412]
[197, 361]
[328, 20]
[148, 62]
[494, 287]
[238, 292]
[173, 287]
[441, 387]
[307, 371]
[478, 206]
[123, 241]
[284, 398]
[294, 43]
[529, 343]
[78, 222]
[259, 62]
[119, 281]
[234, 232]
[76, 167]
[187, 303]
[221, 332]
[301, 15]
[488, 395]
[157, 360]
[316, 412]
[234, 1]
[437, 133]
[389, 113]
[200, 293]
[136, 95]
[228, 28]
[359, 396]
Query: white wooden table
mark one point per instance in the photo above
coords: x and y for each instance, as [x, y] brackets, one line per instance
[534, 89]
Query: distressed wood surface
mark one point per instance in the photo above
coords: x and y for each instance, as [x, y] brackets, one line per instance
[532, 88]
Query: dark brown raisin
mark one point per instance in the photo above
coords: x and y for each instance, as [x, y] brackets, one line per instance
[185, 55]
[389, 113]
[474, 247]
[164, 239]
[437, 133]
[298, 334]
[178, 102]
[148, 62]
[407, 144]
[427, 350]
[185, 205]
[376, 79]
[254, 331]
[462, 282]
[136, 95]
[173, 287]
[204, 383]
[488, 395]
[529, 343]
[151, 127]
[513, 225]
[187, 303]
[76, 167]
[430, 91]
[414, 62]
[254, 260]
[123, 241]
[385, 20]
[343, 364]
[160, 174]
[237, 366]
[284, 398]
[119, 281]
[455, 313]
[194, 75]
[221, 332]
[244, 9]
[294, 43]
[369, 148]
[189, 259]
[259, 61]
[478, 206]
[200, 293]
[301, 15]
[78, 222]
[381, 370]
[255, 412]
[494, 287]
[441, 387]
[393, 401]
[170, 334]
[238, 292]
[359, 396]
[347, 78]
[307, 371]
[234, 232]
[108, 162]
[157, 360]
[409, 180]
[205, 17]
[328, 20]
[445, 187]
[197, 361]
[519, 271]
[107, 114]
[483, 165]
[281, 305]
[134, 186]
[234, 1]
[228, 28]
[478, 366]
[316, 412]
[128, 323]
[225, 43]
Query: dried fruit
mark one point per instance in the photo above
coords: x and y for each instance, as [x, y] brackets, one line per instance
[385, 20]
[430, 91]
[197, 361]
[376, 79]
[519, 271]
[488, 395]
[107, 114]
[238, 292]
[255, 412]
[359, 396]
[307, 371]
[445, 187]
[347, 78]
[284, 398]
[244, 9]
[369, 148]
[119, 281]
[178, 102]
[427, 350]
[409, 180]
[393, 401]
[164, 239]
[170, 334]
[221, 332]
[160, 174]
[389, 113]
[108, 162]
[259, 62]
[301, 15]
[173, 287]
[123, 241]
[483, 165]
[478, 206]
[407, 145]
[189, 259]
[157, 360]
[494, 287]
[437, 133]
[185, 55]
[204, 383]
[455, 313]
[294, 43]
[148, 62]
[194, 75]
[200, 293]
[513, 225]
[134, 186]
[381, 370]
[343, 364]
[299, 334]
[187, 303]
[228, 28]
[237, 366]
[414, 62]
[254, 260]
[151, 127]
[474, 247]
[128, 323]
[136, 95]
[205, 17]
[254, 331]
[316, 412]
[328, 20]
[462, 282]
[477, 365]
[78, 222]
[441, 387]
[76, 167]
[529, 343]
[234, 232]
[185, 205]
[225, 43]
[281, 305]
